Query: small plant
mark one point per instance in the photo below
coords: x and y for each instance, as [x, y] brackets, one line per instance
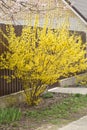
[15, 124]
[78, 95]
[31, 113]
[47, 95]
[8, 115]
[78, 84]
[66, 86]
[82, 80]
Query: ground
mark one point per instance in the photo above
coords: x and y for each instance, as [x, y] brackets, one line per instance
[43, 122]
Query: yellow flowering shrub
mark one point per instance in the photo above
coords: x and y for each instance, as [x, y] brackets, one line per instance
[39, 57]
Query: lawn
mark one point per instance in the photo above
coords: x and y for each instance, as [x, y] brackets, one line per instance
[55, 110]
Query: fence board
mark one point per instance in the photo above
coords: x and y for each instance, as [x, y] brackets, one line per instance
[15, 85]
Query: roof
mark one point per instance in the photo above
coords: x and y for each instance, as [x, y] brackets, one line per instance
[79, 7]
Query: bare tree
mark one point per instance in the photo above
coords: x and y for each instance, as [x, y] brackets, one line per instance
[9, 8]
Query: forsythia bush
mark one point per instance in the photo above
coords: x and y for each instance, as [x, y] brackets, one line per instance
[40, 57]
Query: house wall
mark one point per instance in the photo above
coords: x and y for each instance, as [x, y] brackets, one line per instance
[63, 13]
[76, 24]
[57, 13]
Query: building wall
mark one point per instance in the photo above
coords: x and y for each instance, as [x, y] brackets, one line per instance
[76, 24]
[57, 13]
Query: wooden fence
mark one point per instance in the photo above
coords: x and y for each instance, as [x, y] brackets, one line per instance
[15, 85]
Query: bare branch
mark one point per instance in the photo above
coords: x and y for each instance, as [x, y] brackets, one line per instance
[10, 9]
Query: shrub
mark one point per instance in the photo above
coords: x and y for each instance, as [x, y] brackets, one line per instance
[39, 57]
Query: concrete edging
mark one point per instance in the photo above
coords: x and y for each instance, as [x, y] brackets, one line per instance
[70, 81]
[11, 99]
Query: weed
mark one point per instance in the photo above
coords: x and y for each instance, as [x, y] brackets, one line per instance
[15, 124]
[47, 95]
[78, 95]
[8, 115]
[66, 86]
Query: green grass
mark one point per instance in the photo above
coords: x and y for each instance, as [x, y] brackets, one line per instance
[8, 115]
[52, 114]
[70, 105]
